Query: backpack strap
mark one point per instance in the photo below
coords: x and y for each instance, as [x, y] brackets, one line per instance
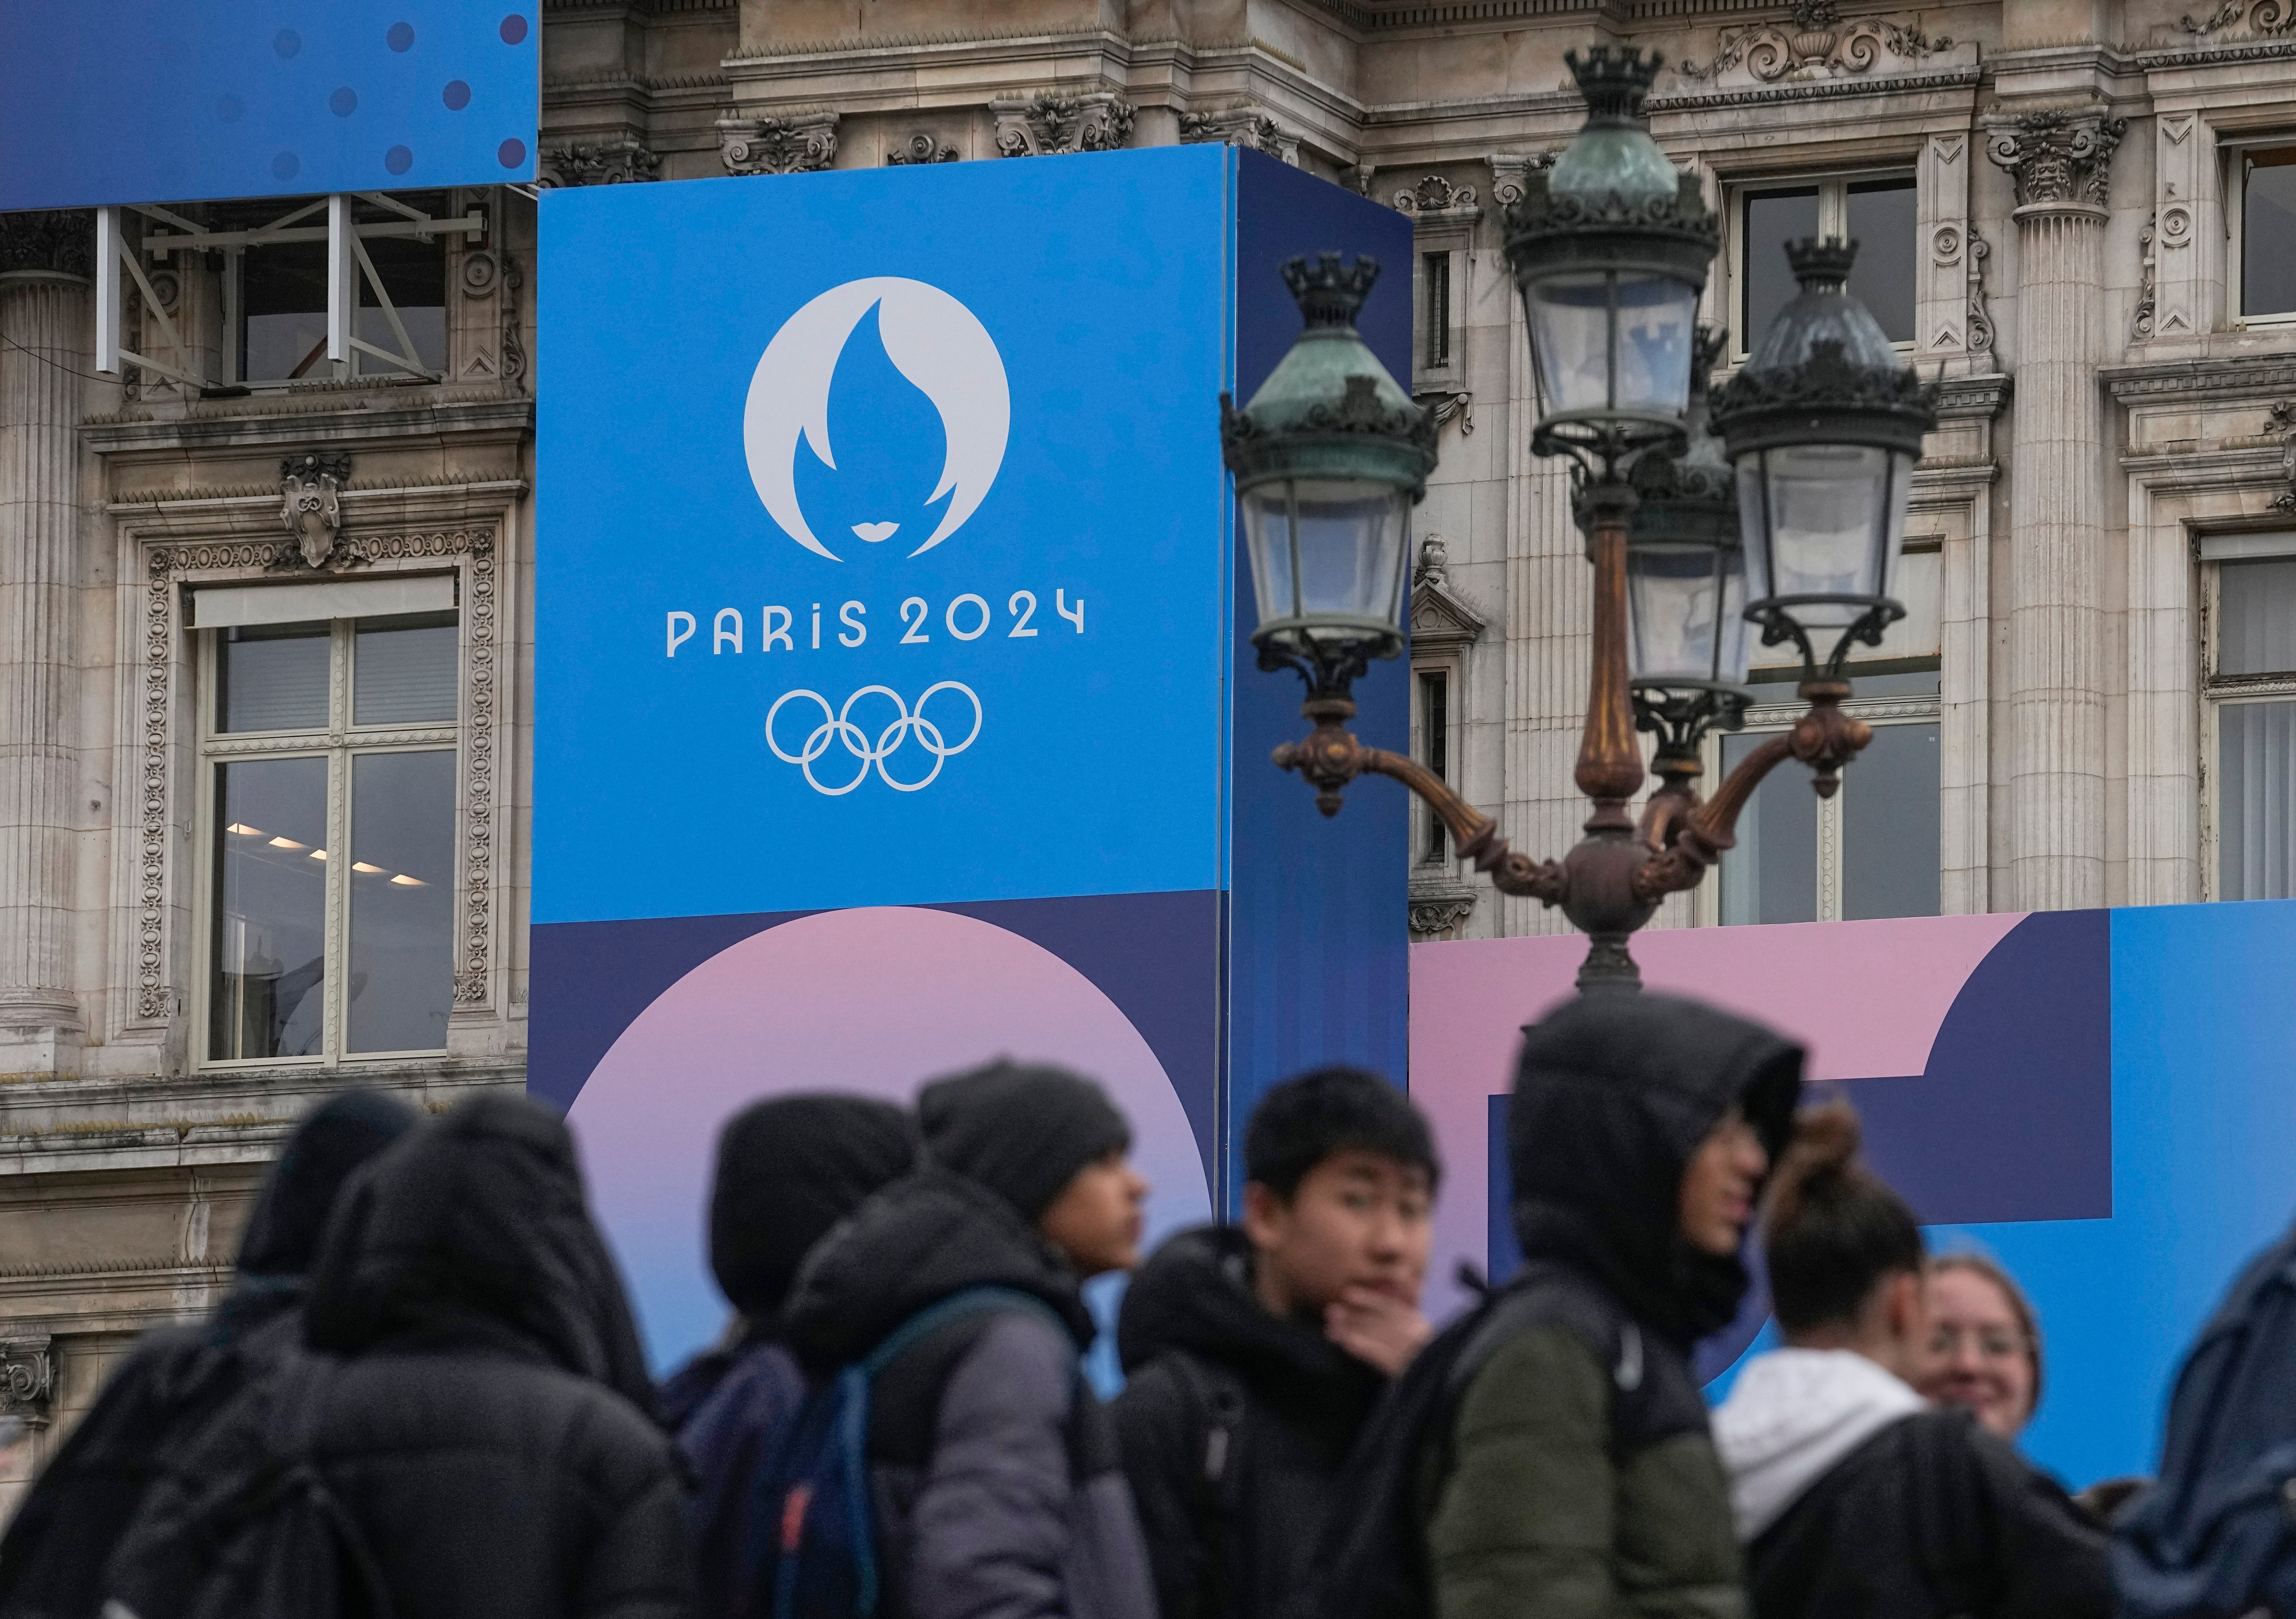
[1216, 1412]
[853, 1413]
[308, 1404]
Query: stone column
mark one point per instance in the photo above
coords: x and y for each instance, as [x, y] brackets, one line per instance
[45, 332]
[2061, 163]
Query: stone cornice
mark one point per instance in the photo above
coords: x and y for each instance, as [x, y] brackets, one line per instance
[340, 421]
[2258, 374]
[2216, 56]
[1832, 89]
[494, 493]
[1983, 395]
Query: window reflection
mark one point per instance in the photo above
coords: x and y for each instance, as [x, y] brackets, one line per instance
[401, 900]
[1772, 875]
[403, 670]
[269, 943]
[1883, 223]
[1772, 219]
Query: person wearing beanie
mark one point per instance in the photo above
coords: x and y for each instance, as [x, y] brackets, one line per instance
[789, 1170]
[1263, 1347]
[1574, 1472]
[1852, 1495]
[995, 1468]
[178, 1378]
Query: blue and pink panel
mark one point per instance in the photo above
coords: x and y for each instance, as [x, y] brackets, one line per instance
[895, 706]
[2104, 1101]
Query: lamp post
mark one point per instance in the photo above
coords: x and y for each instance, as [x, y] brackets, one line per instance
[1817, 433]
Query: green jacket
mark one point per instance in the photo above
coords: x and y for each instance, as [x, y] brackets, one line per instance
[1571, 1494]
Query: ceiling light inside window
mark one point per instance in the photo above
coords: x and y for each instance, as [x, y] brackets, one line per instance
[288, 843]
[318, 854]
[412, 882]
[360, 865]
[243, 829]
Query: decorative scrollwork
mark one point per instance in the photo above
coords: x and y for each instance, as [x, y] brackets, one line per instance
[28, 1379]
[611, 163]
[2140, 325]
[1813, 45]
[1050, 123]
[311, 505]
[1434, 194]
[2256, 18]
[2059, 156]
[1240, 126]
[58, 240]
[1980, 313]
[921, 148]
[791, 145]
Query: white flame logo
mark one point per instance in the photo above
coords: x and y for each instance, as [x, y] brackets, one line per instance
[933, 341]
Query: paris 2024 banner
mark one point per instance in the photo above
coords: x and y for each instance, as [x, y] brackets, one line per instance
[895, 709]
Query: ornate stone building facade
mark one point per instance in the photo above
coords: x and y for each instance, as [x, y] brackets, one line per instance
[2080, 217]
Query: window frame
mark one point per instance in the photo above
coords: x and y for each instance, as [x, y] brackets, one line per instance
[2221, 692]
[1450, 241]
[1775, 719]
[1833, 220]
[1426, 828]
[2233, 186]
[339, 742]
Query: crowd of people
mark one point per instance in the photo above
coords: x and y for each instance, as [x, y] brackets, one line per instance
[425, 1395]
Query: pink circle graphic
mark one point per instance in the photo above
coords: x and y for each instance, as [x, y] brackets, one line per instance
[875, 1001]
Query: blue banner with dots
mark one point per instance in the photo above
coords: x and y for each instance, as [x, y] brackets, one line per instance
[122, 101]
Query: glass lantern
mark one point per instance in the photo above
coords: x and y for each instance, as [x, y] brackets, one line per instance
[1824, 424]
[1329, 458]
[1610, 249]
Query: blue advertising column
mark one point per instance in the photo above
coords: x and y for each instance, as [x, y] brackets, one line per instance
[895, 705]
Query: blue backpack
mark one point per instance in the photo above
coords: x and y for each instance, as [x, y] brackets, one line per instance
[820, 1558]
[2217, 1533]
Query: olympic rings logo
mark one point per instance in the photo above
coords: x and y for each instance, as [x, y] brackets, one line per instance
[837, 727]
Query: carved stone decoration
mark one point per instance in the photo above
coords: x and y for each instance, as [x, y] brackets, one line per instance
[611, 163]
[2256, 19]
[1509, 170]
[28, 1378]
[474, 548]
[1441, 620]
[2059, 157]
[921, 148]
[1447, 406]
[2280, 422]
[1048, 124]
[312, 507]
[797, 144]
[1438, 912]
[1815, 45]
[2141, 325]
[513, 351]
[56, 241]
[1240, 126]
[1981, 315]
[1435, 195]
[1359, 178]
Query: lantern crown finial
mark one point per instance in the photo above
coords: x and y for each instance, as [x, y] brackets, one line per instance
[1330, 292]
[1614, 80]
[1821, 266]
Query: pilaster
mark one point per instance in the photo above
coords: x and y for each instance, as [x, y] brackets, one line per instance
[2061, 162]
[46, 323]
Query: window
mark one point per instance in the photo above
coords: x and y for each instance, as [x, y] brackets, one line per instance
[2261, 217]
[1872, 850]
[1875, 211]
[2251, 681]
[1435, 303]
[1435, 753]
[328, 752]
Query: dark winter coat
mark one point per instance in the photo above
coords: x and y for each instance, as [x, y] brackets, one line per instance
[1579, 1476]
[1196, 1341]
[1930, 1519]
[479, 1397]
[994, 1468]
[1858, 1501]
[178, 1378]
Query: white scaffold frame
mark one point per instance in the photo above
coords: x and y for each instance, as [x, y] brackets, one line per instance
[120, 261]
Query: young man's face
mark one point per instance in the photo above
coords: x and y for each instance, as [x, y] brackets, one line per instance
[1357, 1222]
[1096, 1220]
[1718, 1185]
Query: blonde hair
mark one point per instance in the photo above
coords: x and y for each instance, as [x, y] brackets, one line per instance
[2020, 1307]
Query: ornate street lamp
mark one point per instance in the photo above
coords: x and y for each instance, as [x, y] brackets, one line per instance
[1610, 249]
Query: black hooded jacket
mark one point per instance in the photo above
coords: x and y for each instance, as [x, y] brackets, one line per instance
[993, 1466]
[178, 1378]
[479, 1404]
[1212, 1377]
[1579, 1474]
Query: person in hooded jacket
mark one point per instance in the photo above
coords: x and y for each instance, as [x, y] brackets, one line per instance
[178, 1378]
[994, 1468]
[479, 1406]
[1253, 1353]
[1856, 1498]
[1577, 1474]
[789, 1169]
